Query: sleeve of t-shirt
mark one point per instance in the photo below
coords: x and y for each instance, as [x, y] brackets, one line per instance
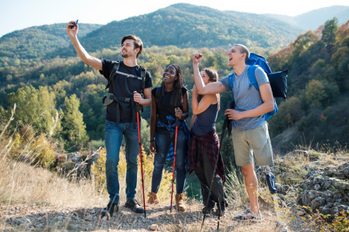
[225, 82]
[148, 83]
[153, 92]
[261, 76]
[107, 67]
[184, 90]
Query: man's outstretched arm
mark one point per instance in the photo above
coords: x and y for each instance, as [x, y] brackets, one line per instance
[84, 56]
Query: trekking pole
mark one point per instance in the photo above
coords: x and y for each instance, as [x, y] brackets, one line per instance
[174, 161]
[225, 124]
[271, 184]
[140, 155]
[229, 126]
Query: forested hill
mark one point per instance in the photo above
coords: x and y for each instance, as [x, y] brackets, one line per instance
[37, 42]
[185, 25]
[316, 111]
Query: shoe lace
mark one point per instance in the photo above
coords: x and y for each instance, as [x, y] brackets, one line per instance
[136, 202]
[247, 211]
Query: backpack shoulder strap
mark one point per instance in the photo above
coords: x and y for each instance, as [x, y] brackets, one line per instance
[231, 81]
[143, 72]
[112, 73]
[143, 75]
[253, 81]
[252, 77]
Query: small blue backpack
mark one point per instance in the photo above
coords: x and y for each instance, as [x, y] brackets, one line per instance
[278, 80]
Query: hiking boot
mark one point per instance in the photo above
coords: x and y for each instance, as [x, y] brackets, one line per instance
[221, 211]
[110, 210]
[153, 198]
[180, 206]
[207, 210]
[134, 206]
[248, 215]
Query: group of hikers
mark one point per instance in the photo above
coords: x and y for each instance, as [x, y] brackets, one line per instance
[197, 147]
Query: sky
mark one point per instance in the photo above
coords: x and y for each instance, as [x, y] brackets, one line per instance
[20, 14]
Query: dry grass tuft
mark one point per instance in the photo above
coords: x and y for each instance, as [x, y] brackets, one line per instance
[21, 183]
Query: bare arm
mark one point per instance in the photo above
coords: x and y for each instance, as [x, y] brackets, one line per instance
[146, 101]
[153, 117]
[212, 88]
[182, 115]
[192, 121]
[205, 102]
[265, 107]
[84, 56]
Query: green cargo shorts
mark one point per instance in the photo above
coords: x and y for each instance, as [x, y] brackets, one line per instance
[252, 142]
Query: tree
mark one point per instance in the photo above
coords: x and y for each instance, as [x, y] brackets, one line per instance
[74, 129]
[35, 107]
[329, 32]
[321, 92]
[303, 42]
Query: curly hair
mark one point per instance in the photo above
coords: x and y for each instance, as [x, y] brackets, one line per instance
[176, 97]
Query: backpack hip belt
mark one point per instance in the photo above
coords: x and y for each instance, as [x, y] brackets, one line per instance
[110, 98]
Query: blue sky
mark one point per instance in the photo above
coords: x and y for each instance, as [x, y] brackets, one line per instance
[20, 14]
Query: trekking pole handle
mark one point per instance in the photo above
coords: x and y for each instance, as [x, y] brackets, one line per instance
[177, 117]
[232, 104]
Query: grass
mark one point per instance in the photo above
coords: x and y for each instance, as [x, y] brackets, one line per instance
[23, 182]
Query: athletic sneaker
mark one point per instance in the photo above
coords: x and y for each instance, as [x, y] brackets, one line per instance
[134, 206]
[248, 215]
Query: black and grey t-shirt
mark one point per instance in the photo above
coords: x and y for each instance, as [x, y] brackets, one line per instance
[123, 86]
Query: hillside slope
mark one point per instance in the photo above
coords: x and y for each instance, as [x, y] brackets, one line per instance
[56, 204]
[37, 42]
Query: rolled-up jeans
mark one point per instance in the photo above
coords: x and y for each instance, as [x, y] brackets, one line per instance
[163, 140]
[113, 138]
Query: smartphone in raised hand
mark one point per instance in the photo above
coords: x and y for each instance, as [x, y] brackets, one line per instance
[74, 24]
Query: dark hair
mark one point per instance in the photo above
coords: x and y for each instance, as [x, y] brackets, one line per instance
[212, 77]
[176, 97]
[137, 42]
[244, 49]
[212, 74]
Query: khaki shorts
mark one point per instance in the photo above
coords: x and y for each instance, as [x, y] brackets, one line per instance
[252, 142]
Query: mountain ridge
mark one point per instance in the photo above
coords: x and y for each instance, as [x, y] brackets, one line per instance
[312, 19]
[182, 25]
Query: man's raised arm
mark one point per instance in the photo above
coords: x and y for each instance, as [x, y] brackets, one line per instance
[84, 56]
[212, 88]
